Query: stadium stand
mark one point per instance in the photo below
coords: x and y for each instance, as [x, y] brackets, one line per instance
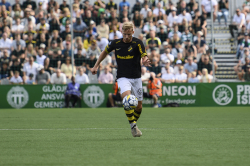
[173, 32]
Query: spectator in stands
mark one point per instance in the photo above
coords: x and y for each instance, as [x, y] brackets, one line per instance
[205, 77]
[111, 6]
[137, 7]
[18, 41]
[80, 59]
[30, 80]
[155, 89]
[180, 77]
[7, 4]
[107, 61]
[186, 35]
[91, 29]
[79, 27]
[17, 27]
[123, 3]
[144, 75]
[153, 41]
[4, 70]
[47, 66]
[244, 45]
[29, 2]
[30, 51]
[54, 47]
[29, 68]
[182, 6]
[73, 92]
[144, 11]
[177, 49]
[58, 77]
[200, 43]
[242, 69]
[41, 25]
[238, 22]
[40, 57]
[193, 78]
[54, 24]
[137, 20]
[5, 43]
[103, 29]
[173, 18]
[162, 35]
[168, 76]
[206, 7]
[115, 34]
[42, 77]
[67, 68]
[167, 56]
[82, 77]
[67, 51]
[174, 40]
[247, 74]
[149, 25]
[123, 15]
[106, 77]
[66, 32]
[223, 10]
[185, 15]
[176, 30]
[94, 50]
[189, 49]
[204, 63]
[17, 66]
[155, 67]
[102, 42]
[91, 62]
[16, 79]
[158, 9]
[6, 18]
[40, 9]
[190, 66]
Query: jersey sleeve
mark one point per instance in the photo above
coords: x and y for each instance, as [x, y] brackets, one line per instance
[110, 47]
[142, 49]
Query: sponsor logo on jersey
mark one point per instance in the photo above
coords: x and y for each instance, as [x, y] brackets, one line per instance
[17, 97]
[222, 94]
[125, 57]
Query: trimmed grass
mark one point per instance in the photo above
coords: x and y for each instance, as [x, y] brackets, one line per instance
[171, 136]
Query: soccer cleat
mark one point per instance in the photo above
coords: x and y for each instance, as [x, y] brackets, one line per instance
[136, 132]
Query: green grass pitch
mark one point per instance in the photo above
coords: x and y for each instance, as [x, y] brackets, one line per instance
[92, 137]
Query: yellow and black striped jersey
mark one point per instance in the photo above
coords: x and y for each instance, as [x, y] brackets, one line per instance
[128, 57]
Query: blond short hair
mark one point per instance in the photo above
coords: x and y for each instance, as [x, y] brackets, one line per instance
[127, 26]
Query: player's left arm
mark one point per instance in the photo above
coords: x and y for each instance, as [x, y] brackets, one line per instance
[142, 50]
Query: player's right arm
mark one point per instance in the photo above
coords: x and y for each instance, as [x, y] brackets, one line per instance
[99, 60]
[102, 56]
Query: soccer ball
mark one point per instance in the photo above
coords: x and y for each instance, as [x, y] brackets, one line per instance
[130, 102]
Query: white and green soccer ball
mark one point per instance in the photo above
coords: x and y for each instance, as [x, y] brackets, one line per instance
[130, 102]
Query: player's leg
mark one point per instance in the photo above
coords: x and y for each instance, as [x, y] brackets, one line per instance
[125, 89]
[137, 91]
[129, 113]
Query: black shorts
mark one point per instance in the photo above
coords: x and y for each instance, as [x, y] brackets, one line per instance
[147, 95]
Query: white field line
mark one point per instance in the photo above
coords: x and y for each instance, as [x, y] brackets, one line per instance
[125, 129]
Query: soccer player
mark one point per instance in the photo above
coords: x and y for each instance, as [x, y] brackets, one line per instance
[130, 53]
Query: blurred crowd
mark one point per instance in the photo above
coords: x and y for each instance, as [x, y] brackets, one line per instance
[240, 29]
[35, 44]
